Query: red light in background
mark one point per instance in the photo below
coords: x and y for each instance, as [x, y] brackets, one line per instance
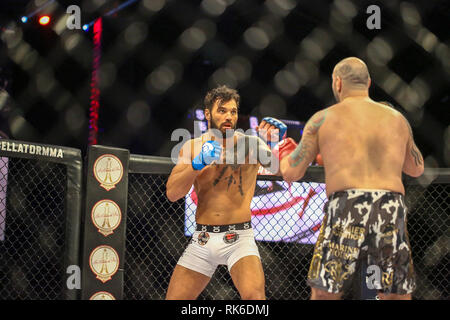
[44, 20]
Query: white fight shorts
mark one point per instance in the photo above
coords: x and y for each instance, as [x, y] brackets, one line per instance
[211, 246]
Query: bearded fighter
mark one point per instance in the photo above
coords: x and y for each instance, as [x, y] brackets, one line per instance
[222, 164]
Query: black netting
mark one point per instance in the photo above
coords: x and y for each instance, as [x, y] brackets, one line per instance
[32, 224]
[429, 231]
[156, 238]
[32, 229]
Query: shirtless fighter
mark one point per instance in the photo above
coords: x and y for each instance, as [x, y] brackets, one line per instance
[365, 147]
[224, 189]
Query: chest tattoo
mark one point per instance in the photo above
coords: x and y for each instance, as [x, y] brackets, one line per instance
[233, 177]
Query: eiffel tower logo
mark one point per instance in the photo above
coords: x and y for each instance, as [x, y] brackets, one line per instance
[104, 262]
[106, 216]
[108, 171]
[104, 269]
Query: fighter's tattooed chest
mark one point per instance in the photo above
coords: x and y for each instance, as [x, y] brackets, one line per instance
[228, 176]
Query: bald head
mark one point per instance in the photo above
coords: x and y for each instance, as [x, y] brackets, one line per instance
[353, 73]
[350, 78]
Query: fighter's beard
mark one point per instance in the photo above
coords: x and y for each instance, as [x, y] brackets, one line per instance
[223, 130]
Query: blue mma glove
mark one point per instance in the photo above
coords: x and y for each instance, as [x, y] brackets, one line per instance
[211, 151]
[282, 128]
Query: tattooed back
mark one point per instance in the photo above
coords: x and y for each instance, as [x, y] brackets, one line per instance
[363, 144]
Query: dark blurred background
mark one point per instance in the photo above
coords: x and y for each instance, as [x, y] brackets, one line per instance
[159, 57]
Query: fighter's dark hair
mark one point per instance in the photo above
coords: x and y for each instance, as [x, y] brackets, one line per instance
[221, 94]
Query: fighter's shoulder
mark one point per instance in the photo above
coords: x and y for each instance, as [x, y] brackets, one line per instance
[192, 143]
[197, 140]
[191, 147]
[400, 119]
[331, 109]
[318, 118]
[188, 143]
[394, 114]
[200, 139]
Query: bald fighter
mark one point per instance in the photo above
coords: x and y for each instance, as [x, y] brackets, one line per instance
[225, 187]
[365, 147]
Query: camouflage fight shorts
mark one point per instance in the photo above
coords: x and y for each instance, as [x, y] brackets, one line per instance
[363, 224]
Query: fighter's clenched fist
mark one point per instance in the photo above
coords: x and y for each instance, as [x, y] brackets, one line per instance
[211, 151]
[272, 131]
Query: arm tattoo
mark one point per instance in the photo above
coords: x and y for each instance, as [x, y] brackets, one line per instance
[298, 154]
[418, 160]
[416, 155]
[303, 150]
[317, 123]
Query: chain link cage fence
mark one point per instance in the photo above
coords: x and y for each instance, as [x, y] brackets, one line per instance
[32, 227]
[156, 238]
[40, 202]
[429, 230]
[34, 235]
